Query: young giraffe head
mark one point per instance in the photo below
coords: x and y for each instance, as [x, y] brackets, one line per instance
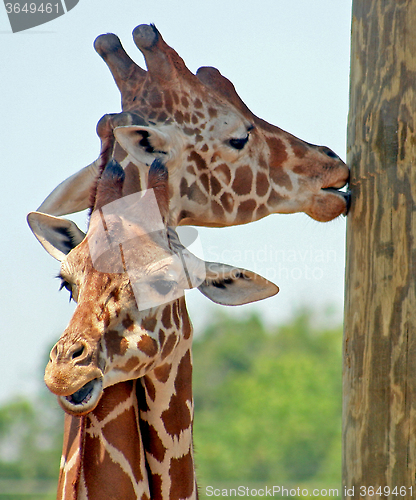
[131, 313]
[226, 165]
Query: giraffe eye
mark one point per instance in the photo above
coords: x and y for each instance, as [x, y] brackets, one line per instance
[238, 143]
[163, 287]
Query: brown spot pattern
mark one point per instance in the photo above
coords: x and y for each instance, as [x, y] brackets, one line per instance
[195, 194]
[182, 482]
[115, 343]
[179, 117]
[183, 187]
[175, 97]
[166, 316]
[132, 183]
[105, 479]
[155, 98]
[128, 323]
[190, 169]
[243, 180]
[168, 347]
[262, 211]
[215, 186]
[152, 441]
[224, 173]
[281, 178]
[245, 211]
[120, 440]
[113, 395]
[275, 198]
[149, 323]
[227, 202]
[155, 485]
[161, 336]
[262, 162]
[278, 153]
[168, 101]
[148, 345]
[299, 148]
[162, 372]
[186, 324]
[205, 181]
[131, 364]
[212, 112]
[150, 387]
[262, 184]
[198, 160]
[177, 418]
[217, 210]
[175, 314]
[183, 381]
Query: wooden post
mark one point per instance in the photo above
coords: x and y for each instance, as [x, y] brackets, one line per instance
[379, 402]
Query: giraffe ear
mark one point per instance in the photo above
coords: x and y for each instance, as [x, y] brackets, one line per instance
[58, 236]
[144, 143]
[231, 286]
[72, 194]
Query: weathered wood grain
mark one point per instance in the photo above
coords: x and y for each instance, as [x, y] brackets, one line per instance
[379, 402]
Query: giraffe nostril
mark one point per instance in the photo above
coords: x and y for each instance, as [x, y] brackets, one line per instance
[54, 353]
[78, 352]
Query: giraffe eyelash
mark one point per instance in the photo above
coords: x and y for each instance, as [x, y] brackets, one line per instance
[65, 284]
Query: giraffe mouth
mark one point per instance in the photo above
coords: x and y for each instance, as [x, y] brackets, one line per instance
[345, 194]
[84, 400]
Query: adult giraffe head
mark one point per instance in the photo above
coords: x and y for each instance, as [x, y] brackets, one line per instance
[226, 165]
[128, 276]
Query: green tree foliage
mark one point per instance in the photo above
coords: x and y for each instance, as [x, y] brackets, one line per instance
[268, 402]
[30, 447]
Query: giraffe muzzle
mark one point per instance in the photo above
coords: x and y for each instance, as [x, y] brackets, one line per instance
[84, 400]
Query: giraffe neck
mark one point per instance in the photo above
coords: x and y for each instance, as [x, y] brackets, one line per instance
[166, 419]
[137, 443]
[98, 460]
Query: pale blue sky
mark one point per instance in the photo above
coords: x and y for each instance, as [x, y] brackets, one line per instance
[289, 62]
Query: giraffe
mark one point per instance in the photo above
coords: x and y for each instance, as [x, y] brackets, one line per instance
[128, 349]
[226, 165]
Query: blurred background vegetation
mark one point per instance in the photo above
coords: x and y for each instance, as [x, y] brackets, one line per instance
[267, 412]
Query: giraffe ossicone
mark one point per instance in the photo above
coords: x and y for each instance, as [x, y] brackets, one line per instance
[116, 333]
[226, 165]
